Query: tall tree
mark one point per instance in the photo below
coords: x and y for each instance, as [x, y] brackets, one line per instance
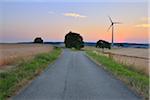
[74, 40]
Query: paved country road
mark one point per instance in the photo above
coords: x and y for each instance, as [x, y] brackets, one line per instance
[75, 77]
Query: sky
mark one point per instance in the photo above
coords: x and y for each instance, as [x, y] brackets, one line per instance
[23, 20]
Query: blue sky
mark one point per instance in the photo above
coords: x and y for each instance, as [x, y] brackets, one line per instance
[24, 20]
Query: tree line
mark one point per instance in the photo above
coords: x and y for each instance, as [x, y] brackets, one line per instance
[75, 40]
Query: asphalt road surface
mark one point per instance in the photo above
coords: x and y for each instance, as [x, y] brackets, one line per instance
[75, 77]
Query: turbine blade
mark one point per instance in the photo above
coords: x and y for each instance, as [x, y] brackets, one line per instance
[110, 19]
[117, 22]
[109, 27]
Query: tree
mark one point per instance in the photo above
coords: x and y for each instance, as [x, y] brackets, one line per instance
[74, 40]
[103, 44]
[38, 40]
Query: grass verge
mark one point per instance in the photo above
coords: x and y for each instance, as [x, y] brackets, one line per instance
[135, 80]
[16, 78]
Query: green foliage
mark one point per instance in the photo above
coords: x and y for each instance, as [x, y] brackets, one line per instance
[74, 40]
[103, 44]
[137, 81]
[38, 40]
[25, 71]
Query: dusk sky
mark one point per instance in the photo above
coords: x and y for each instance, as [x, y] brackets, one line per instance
[23, 20]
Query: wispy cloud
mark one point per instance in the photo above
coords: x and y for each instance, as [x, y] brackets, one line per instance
[75, 15]
[145, 18]
[143, 25]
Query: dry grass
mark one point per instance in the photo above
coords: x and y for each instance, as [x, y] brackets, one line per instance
[10, 53]
[134, 58]
[140, 64]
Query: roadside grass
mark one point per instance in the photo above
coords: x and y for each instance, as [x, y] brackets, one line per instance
[135, 80]
[13, 80]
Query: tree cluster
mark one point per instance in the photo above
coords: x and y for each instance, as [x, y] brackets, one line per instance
[103, 44]
[38, 40]
[74, 40]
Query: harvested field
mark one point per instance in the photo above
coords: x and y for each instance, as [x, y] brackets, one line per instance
[10, 53]
[138, 52]
[134, 58]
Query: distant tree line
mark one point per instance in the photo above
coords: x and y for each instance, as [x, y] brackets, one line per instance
[75, 40]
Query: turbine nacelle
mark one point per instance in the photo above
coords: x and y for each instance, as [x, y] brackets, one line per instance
[112, 23]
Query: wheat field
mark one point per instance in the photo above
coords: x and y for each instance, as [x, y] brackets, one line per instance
[10, 53]
[134, 58]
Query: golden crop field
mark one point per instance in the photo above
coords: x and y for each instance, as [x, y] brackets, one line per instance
[135, 58]
[10, 53]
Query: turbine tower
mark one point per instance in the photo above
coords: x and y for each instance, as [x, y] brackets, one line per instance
[112, 26]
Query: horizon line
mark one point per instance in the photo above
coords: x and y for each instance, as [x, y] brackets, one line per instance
[63, 42]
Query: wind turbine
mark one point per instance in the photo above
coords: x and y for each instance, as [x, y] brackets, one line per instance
[112, 26]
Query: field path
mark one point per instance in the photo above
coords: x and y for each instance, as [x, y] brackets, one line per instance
[75, 77]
